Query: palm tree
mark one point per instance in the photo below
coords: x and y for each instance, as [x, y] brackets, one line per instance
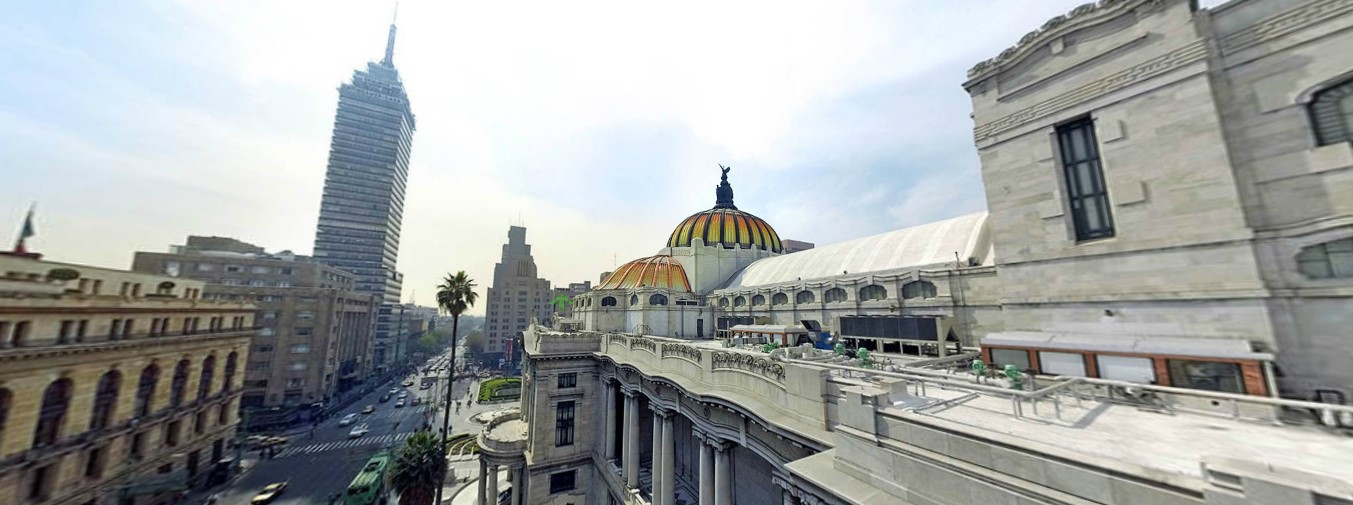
[419, 469]
[454, 296]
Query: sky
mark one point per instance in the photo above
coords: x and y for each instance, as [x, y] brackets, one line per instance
[599, 125]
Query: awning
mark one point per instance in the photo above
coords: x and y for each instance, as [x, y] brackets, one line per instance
[768, 328]
[1205, 347]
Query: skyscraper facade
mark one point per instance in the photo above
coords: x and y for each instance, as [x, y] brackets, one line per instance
[516, 295]
[363, 201]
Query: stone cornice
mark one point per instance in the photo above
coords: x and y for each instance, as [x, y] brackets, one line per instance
[139, 344]
[1086, 15]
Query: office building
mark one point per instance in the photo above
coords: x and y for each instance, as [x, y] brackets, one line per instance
[516, 295]
[315, 330]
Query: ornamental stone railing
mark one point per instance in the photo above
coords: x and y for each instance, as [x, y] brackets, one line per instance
[616, 338]
[749, 363]
[645, 343]
[686, 352]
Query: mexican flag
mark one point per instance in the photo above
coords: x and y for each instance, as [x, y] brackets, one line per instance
[27, 231]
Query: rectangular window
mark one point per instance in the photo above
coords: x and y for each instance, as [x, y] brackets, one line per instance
[296, 366]
[94, 463]
[66, 332]
[1085, 188]
[205, 267]
[568, 380]
[171, 433]
[1206, 375]
[563, 481]
[260, 270]
[563, 424]
[1017, 357]
[300, 348]
[138, 448]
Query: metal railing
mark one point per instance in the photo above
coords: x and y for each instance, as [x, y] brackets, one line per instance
[1077, 387]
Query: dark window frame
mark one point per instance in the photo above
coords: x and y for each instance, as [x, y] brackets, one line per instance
[562, 482]
[1081, 195]
[565, 414]
[568, 380]
[1329, 121]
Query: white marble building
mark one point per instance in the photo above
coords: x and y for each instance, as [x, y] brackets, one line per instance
[1183, 176]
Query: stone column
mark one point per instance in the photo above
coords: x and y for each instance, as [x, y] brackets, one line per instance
[610, 423]
[483, 473]
[632, 442]
[516, 485]
[493, 485]
[657, 457]
[706, 471]
[723, 478]
[668, 474]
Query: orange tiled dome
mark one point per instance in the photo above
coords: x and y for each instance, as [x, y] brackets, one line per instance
[729, 227]
[725, 224]
[659, 271]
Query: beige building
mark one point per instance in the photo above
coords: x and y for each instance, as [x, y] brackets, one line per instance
[314, 339]
[1171, 184]
[516, 295]
[115, 387]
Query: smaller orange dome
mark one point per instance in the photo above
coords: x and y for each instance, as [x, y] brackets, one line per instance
[659, 271]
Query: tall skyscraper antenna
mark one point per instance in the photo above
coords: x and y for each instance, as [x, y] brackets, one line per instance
[389, 60]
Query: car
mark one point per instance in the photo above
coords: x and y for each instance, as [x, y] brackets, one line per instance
[399, 404]
[394, 390]
[269, 493]
[426, 385]
[384, 398]
[417, 400]
[275, 441]
[403, 396]
[348, 419]
[359, 430]
[408, 383]
[368, 409]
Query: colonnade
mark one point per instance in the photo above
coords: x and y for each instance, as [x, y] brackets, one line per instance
[488, 482]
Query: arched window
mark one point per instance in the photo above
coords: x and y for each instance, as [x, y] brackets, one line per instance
[145, 390]
[804, 296]
[1332, 114]
[739, 301]
[1327, 260]
[873, 292]
[204, 384]
[105, 400]
[758, 300]
[177, 383]
[657, 299]
[834, 295]
[634, 300]
[723, 302]
[6, 399]
[55, 401]
[608, 301]
[918, 289]
[229, 376]
[779, 299]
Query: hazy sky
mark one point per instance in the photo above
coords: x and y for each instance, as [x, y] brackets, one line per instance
[136, 123]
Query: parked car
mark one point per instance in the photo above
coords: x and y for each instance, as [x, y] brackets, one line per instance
[348, 419]
[359, 430]
[269, 493]
[417, 400]
[369, 409]
[408, 383]
[399, 404]
[403, 396]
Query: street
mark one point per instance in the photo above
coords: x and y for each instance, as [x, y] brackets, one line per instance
[323, 464]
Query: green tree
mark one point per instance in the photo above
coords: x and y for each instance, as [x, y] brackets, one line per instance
[419, 469]
[454, 297]
[475, 342]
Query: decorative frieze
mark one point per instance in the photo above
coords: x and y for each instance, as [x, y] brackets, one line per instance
[1178, 58]
[1285, 23]
[682, 351]
[1084, 15]
[645, 343]
[749, 363]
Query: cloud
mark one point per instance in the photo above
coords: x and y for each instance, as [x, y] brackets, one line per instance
[598, 123]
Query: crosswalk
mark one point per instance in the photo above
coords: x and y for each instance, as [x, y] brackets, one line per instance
[376, 440]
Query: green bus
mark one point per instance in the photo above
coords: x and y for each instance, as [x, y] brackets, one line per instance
[371, 486]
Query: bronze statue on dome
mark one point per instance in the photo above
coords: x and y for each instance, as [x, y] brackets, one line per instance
[723, 193]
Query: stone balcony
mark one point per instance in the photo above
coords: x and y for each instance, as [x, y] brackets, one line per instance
[504, 435]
